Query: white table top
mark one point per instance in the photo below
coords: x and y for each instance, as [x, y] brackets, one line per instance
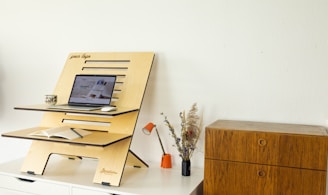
[80, 173]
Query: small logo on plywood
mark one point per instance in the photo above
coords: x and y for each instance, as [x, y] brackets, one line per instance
[84, 56]
[107, 172]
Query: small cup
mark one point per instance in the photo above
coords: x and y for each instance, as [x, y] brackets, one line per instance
[51, 99]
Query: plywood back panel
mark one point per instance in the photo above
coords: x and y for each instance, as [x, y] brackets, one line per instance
[132, 70]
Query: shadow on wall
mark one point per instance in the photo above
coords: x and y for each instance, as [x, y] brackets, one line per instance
[1, 90]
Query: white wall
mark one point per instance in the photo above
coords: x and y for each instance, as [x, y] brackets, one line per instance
[247, 59]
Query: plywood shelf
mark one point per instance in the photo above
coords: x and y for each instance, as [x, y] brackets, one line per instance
[44, 108]
[96, 138]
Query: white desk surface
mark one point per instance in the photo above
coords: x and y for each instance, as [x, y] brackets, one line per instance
[141, 181]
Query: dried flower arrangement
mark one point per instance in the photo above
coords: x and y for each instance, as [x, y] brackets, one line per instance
[191, 126]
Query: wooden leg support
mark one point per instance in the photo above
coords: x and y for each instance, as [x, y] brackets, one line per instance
[135, 161]
[36, 159]
[111, 163]
[111, 159]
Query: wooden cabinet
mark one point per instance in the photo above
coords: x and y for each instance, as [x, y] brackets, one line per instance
[265, 158]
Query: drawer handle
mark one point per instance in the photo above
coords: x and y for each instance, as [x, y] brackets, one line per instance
[261, 173]
[25, 180]
[262, 142]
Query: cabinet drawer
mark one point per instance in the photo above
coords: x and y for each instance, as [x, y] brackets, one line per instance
[11, 192]
[241, 146]
[282, 149]
[233, 178]
[32, 186]
[81, 191]
[292, 181]
[303, 151]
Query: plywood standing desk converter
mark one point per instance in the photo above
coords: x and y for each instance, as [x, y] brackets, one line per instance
[112, 132]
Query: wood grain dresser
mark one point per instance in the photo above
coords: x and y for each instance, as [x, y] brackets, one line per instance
[250, 158]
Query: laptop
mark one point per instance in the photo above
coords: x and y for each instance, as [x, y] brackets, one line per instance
[89, 92]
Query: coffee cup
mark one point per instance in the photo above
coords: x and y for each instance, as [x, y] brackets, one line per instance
[51, 99]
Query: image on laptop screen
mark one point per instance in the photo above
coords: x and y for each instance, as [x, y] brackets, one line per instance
[92, 90]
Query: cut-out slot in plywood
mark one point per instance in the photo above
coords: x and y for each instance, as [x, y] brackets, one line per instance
[112, 131]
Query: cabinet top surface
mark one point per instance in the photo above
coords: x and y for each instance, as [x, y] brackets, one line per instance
[268, 127]
[79, 173]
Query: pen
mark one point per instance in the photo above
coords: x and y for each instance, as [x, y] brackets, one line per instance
[77, 133]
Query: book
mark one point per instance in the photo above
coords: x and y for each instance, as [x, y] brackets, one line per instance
[64, 132]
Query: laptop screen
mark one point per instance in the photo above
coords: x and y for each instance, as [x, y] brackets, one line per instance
[92, 90]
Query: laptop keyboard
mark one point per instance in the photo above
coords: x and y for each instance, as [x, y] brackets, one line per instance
[67, 107]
